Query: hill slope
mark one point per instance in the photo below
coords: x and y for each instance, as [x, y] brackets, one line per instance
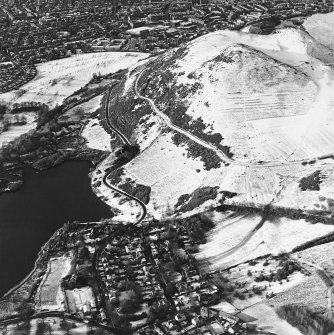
[231, 117]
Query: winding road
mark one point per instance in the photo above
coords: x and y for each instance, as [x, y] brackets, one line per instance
[105, 181]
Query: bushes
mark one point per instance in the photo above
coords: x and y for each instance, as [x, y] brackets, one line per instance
[126, 153]
[182, 199]
[311, 182]
[140, 191]
[198, 197]
[197, 227]
[122, 114]
[195, 150]
[174, 99]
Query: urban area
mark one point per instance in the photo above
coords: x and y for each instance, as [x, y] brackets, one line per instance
[36, 31]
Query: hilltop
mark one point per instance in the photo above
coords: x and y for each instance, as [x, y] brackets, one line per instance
[216, 123]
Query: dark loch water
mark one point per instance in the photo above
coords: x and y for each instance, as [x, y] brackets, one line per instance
[30, 216]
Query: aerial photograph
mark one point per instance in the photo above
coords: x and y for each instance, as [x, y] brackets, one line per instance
[166, 167]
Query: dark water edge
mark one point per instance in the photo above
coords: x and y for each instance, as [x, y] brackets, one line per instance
[29, 216]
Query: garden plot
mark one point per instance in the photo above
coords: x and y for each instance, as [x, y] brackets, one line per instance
[77, 298]
[234, 241]
[58, 79]
[49, 296]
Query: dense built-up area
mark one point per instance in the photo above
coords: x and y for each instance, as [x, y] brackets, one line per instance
[36, 31]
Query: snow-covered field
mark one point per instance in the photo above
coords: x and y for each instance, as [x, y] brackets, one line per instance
[15, 131]
[76, 113]
[266, 318]
[311, 292]
[96, 136]
[166, 169]
[49, 295]
[256, 100]
[235, 239]
[321, 26]
[58, 79]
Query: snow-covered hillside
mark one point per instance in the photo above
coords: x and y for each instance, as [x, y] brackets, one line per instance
[265, 98]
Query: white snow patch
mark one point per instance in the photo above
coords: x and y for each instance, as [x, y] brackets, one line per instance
[58, 79]
[234, 239]
[267, 319]
[16, 131]
[96, 136]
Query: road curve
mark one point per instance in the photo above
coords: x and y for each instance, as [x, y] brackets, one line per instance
[169, 123]
[125, 140]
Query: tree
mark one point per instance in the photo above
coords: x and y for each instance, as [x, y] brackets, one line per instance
[23, 120]
[130, 304]
[65, 326]
[41, 328]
